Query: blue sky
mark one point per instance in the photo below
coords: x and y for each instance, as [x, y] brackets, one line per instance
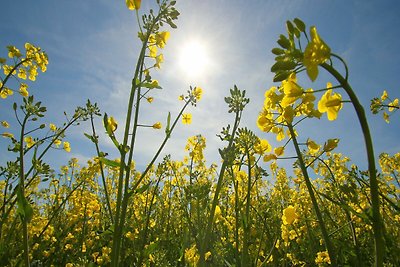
[92, 48]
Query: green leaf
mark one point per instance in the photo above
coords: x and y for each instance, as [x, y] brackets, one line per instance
[105, 122]
[277, 51]
[142, 189]
[111, 163]
[283, 65]
[173, 26]
[91, 138]
[281, 75]
[284, 41]
[24, 209]
[150, 85]
[300, 24]
[297, 32]
[167, 129]
[289, 27]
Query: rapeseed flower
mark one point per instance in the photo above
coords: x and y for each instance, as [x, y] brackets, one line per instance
[316, 52]
[289, 215]
[292, 91]
[157, 125]
[133, 4]
[330, 103]
[197, 92]
[67, 146]
[29, 141]
[5, 124]
[186, 118]
[23, 90]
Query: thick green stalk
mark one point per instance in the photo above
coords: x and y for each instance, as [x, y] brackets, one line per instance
[246, 230]
[325, 235]
[205, 241]
[122, 168]
[377, 224]
[22, 192]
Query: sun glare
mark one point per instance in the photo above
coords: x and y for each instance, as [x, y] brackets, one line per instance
[193, 59]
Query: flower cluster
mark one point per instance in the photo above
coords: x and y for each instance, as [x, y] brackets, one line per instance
[24, 66]
[383, 103]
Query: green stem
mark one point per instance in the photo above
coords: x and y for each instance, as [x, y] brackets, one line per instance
[122, 168]
[22, 190]
[377, 224]
[96, 143]
[325, 235]
[245, 255]
[205, 241]
[11, 72]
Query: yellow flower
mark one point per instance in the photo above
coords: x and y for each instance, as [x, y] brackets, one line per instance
[161, 39]
[53, 128]
[153, 51]
[292, 91]
[322, 257]
[191, 256]
[198, 92]
[312, 146]
[289, 215]
[386, 117]
[133, 4]
[186, 118]
[279, 151]
[112, 124]
[181, 98]
[5, 92]
[150, 99]
[207, 255]
[317, 52]
[154, 83]
[5, 124]
[67, 146]
[57, 142]
[13, 52]
[33, 73]
[330, 103]
[269, 157]
[262, 146]
[393, 105]
[23, 90]
[217, 214]
[22, 73]
[384, 95]
[265, 121]
[29, 141]
[159, 60]
[157, 125]
[288, 114]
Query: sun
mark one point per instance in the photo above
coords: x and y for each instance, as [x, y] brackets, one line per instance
[193, 59]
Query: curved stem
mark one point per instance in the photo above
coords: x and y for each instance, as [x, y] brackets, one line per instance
[374, 187]
[325, 235]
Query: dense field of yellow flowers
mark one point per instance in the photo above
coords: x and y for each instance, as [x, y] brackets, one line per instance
[181, 212]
